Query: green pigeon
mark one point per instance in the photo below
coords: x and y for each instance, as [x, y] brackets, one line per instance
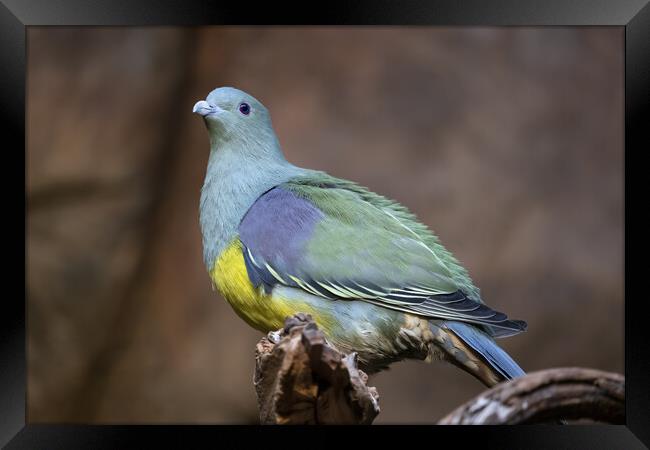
[280, 239]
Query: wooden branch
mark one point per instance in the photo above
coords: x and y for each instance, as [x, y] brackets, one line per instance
[546, 396]
[302, 379]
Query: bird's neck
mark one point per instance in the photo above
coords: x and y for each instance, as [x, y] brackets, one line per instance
[234, 180]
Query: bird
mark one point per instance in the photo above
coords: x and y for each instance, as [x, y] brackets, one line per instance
[279, 240]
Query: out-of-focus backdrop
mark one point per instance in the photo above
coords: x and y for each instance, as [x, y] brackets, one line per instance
[508, 142]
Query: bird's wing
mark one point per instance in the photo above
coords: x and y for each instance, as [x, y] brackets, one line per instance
[336, 241]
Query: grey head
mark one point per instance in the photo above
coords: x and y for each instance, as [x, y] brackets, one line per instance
[236, 119]
[245, 161]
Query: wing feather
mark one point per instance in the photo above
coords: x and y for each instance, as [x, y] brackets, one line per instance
[330, 241]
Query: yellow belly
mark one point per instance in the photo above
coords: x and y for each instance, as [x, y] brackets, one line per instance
[264, 312]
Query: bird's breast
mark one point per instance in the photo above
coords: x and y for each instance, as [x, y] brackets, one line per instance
[262, 311]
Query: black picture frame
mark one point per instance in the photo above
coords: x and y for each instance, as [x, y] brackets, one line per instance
[16, 15]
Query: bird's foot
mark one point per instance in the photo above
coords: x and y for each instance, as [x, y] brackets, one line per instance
[273, 337]
[299, 319]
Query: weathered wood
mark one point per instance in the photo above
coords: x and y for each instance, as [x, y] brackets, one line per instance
[302, 379]
[564, 393]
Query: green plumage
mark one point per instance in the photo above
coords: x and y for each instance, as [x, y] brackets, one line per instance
[359, 221]
[335, 239]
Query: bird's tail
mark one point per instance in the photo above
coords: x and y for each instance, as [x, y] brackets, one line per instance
[474, 351]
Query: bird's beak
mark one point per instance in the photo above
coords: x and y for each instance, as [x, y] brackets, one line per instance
[203, 108]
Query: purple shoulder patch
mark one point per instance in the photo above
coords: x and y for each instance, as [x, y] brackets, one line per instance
[277, 227]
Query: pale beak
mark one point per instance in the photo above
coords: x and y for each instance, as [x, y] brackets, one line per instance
[203, 108]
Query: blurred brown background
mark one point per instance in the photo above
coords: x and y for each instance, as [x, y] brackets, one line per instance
[508, 142]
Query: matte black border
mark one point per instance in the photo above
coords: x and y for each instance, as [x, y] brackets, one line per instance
[15, 15]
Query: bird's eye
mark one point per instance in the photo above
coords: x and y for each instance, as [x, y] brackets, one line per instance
[244, 108]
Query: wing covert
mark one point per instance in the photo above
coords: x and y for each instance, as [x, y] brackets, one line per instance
[331, 242]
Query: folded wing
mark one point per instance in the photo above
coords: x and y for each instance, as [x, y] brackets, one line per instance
[333, 242]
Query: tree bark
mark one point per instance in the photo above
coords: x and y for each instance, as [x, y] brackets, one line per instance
[572, 393]
[302, 379]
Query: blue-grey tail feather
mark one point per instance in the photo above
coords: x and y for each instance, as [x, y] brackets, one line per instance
[487, 348]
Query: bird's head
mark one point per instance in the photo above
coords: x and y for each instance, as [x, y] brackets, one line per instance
[234, 116]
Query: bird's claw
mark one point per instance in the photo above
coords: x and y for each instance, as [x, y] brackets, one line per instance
[273, 337]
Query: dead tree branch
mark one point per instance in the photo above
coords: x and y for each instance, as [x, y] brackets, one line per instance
[572, 393]
[301, 379]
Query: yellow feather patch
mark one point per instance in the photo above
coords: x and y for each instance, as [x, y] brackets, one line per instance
[264, 312]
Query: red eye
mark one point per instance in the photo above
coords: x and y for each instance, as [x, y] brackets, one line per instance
[244, 108]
